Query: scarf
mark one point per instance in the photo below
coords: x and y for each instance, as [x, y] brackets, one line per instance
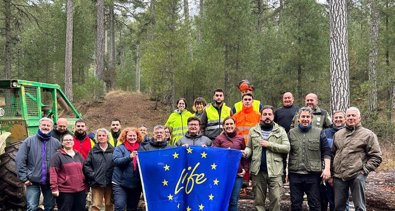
[304, 129]
[42, 136]
[44, 139]
[132, 147]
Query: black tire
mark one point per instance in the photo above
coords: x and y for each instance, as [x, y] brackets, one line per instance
[12, 191]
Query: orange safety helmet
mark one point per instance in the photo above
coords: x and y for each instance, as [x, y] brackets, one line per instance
[244, 85]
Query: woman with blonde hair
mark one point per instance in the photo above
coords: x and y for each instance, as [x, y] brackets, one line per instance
[126, 177]
[98, 169]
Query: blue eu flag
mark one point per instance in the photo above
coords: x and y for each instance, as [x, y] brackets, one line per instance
[188, 179]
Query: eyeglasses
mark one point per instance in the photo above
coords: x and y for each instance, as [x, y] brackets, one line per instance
[68, 140]
[247, 99]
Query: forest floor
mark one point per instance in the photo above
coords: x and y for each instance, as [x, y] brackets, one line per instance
[135, 109]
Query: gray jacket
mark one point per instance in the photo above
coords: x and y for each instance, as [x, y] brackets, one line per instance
[28, 158]
[197, 140]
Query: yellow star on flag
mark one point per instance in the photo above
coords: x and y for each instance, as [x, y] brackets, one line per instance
[175, 155]
[216, 181]
[170, 197]
[166, 167]
[204, 154]
[188, 208]
[213, 166]
[201, 207]
[211, 197]
[189, 150]
[165, 182]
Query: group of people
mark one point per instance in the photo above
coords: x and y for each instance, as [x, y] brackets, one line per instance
[320, 157]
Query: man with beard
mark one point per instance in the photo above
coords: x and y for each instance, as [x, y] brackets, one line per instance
[267, 144]
[61, 129]
[32, 163]
[194, 137]
[115, 132]
[308, 148]
[321, 118]
[82, 143]
[356, 153]
[214, 114]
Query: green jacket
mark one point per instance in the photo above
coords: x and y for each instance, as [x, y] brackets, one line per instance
[321, 119]
[278, 146]
[305, 154]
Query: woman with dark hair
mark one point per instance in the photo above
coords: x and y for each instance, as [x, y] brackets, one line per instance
[167, 133]
[126, 177]
[230, 140]
[198, 106]
[177, 121]
[67, 178]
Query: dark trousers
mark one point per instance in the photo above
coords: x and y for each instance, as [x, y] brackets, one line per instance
[305, 183]
[126, 198]
[71, 201]
[357, 186]
[327, 197]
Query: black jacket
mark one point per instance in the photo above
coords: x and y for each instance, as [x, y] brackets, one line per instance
[99, 166]
[154, 145]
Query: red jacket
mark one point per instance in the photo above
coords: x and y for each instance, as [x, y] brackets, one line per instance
[83, 146]
[235, 142]
[66, 173]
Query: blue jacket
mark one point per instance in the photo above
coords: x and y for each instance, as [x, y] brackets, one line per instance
[123, 174]
[329, 133]
[29, 161]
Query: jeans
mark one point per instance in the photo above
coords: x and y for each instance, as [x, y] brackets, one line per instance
[265, 185]
[357, 186]
[33, 197]
[234, 197]
[126, 198]
[305, 183]
[71, 201]
[98, 193]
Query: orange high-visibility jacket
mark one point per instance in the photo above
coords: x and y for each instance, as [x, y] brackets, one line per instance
[245, 120]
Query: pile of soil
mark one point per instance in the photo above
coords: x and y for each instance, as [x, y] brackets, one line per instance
[132, 108]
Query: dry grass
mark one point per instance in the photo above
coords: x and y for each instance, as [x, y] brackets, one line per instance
[388, 150]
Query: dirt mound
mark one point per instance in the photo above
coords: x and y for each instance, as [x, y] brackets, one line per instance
[133, 109]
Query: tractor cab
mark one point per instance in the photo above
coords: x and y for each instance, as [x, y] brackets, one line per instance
[24, 103]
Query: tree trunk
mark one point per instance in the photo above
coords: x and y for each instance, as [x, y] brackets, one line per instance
[138, 70]
[393, 105]
[227, 69]
[8, 39]
[373, 55]
[188, 26]
[100, 40]
[68, 63]
[339, 63]
[110, 79]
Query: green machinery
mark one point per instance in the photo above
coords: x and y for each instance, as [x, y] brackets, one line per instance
[22, 105]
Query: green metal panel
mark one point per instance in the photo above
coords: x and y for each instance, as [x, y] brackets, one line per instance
[24, 103]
